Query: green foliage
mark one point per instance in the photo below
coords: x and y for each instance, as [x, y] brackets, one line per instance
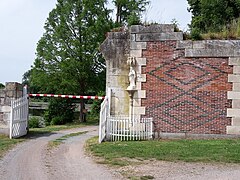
[129, 11]
[211, 16]
[7, 144]
[68, 60]
[60, 111]
[232, 31]
[33, 122]
[196, 34]
[2, 86]
[225, 151]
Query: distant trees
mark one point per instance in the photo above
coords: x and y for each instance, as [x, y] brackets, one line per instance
[211, 16]
[67, 57]
[129, 11]
[1, 86]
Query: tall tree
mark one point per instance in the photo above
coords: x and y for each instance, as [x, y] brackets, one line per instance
[213, 15]
[129, 11]
[68, 60]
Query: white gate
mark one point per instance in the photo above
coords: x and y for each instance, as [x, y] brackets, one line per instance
[19, 116]
[104, 114]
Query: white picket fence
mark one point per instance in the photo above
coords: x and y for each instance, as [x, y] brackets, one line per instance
[120, 128]
[19, 117]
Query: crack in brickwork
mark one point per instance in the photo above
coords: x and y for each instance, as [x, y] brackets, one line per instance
[185, 95]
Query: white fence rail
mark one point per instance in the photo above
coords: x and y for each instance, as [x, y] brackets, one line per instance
[122, 129]
[19, 117]
[104, 114]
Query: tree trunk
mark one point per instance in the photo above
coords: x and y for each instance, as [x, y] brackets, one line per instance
[118, 18]
[82, 115]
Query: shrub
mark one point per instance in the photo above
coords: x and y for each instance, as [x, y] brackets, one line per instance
[33, 122]
[60, 111]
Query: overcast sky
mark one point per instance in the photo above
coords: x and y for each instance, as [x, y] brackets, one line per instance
[22, 21]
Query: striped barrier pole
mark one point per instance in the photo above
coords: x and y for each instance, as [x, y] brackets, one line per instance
[67, 96]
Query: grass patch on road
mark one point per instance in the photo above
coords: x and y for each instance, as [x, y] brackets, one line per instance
[7, 144]
[49, 129]
[116, 153]
[58, 141]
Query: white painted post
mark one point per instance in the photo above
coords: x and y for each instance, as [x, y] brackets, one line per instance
[11, 122]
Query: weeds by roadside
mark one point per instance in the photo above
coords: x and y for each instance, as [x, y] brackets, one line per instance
[6, 144]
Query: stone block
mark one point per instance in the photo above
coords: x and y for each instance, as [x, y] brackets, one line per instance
[139, 110]
[159, 36]
[117, 81]
[138, 45]
[222, 44]
[137, 102]
[138, 85]
[155, 28]
[133, 37]
[139, 94]
[236, 86]
[236, 70]
[233, 95]
[198, 44]
[187, 44]
[236, 103]
[136, 53]
[236, 121]
[233, 129]
[234, 61]
[233, 78]
[212, 52]
[233, 112]
[141, 78]
[141, 61]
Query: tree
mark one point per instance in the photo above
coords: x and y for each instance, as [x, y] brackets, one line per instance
[211, 16]
[2, 86]
[67, 58]
[129, 11]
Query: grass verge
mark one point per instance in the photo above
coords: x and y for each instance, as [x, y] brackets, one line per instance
[116, 153]
[6, 144]
[58, 141]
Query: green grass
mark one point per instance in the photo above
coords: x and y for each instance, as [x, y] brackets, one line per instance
[223, 151]
[6, 144]
[58, 141]
[49, 129]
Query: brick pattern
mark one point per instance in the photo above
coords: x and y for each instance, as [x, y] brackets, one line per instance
[185, 95]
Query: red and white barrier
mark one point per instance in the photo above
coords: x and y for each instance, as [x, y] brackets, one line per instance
[67, 96]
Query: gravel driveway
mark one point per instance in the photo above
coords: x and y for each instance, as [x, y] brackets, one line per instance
[32, 160]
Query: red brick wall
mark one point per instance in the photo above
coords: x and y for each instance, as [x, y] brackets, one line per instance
[185, 95]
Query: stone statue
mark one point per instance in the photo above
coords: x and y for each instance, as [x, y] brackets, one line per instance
[132, 74]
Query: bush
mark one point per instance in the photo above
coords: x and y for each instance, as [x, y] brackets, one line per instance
[33, 122]
[60, 111]
[196, 35]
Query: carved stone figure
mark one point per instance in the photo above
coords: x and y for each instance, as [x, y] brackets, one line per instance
[132, 74]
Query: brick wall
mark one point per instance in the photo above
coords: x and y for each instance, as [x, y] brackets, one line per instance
[185, 95]
[187, 87]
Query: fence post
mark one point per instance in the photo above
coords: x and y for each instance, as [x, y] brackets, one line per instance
[11, 121]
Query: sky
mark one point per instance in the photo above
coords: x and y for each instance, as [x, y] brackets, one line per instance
[22, 22]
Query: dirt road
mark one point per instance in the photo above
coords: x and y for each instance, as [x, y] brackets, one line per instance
[33, 161]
